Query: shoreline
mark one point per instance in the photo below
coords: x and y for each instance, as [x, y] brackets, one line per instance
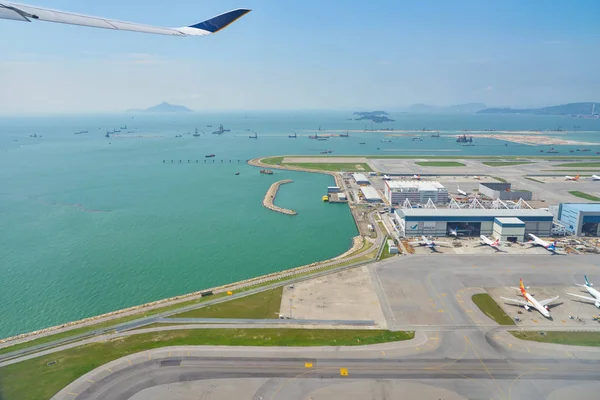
[268, 201]
[356, 245]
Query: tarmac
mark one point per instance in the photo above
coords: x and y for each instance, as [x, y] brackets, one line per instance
[457, 352]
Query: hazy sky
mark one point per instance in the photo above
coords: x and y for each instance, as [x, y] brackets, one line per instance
[306, 54]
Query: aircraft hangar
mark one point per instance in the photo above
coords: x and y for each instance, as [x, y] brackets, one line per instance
[412, 222]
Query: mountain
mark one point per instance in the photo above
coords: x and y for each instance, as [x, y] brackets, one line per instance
[468, 108]
[563, 109]
[164, 107]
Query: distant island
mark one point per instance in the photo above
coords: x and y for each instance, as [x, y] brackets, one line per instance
[572, 109]
[164, 107]
[467, 108]
[375, 116]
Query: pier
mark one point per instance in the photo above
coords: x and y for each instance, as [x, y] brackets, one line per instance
[270, 198]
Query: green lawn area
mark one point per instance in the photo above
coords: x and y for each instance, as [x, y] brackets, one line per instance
[584, 195]
[489, 307]
[505, 163]
[579, 164]
[272, 160]
[386, 253]
[571, 338]
[333, 167]
[533, 179]
[440, 164]
[499, 179]
[262, 305]
[34, 380]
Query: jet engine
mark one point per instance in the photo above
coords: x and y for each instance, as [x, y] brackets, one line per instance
[526, 307]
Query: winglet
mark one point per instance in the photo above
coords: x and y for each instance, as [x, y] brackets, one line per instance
[586, 281]
[221, 21]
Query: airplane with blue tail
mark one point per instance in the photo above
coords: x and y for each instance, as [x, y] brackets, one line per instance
[593, 292]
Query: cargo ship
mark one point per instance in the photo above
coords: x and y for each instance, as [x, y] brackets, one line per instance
[221, 130]
[209, 156]
[464, 139]
[266, 171]
[292, 136]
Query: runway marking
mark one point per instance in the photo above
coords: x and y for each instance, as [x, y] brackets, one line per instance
[436, 293]
[508, 270]
[188, 353]
[169, 354]
[91, 381]
[109, 370]
[440, 310]
[510, 345]
[149, 357]
[528, 349]
[443, 294]
[308, 365]
[72, 394]
[343, 371]
[516, 379]
[417, 349]
[129, 361]
[484, 366]
[383, 353]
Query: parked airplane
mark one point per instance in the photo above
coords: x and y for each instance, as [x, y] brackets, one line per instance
[461, 192]
[595, 178]
[425, 241]
[20, 12]
[477, 177]
[417, 177]
[541, 306]
[595, 294]
[551, 247]
[572, 178]
[486, 241]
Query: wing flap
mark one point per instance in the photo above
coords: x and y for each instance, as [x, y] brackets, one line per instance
[519, 302]
[582, 297]
[547, 301]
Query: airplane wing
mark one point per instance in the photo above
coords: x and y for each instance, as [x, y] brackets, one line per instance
[442, 244]
[26, 13]
[547, 301]
[583, 297]
[519, 302]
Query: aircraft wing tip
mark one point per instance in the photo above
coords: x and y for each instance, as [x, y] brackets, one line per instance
[221, 21]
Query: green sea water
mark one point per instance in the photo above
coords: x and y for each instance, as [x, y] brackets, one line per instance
[89, 225]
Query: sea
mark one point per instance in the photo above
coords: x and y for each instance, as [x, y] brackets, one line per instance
[90, 224]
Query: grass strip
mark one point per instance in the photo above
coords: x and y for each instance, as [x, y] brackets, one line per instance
[262, 305]
[533, 179]
[500, 179]
[332, 167]
[579, 164]
[556, 337]
[489, 307]
[505, 163]
[584, 195]
[34, 379]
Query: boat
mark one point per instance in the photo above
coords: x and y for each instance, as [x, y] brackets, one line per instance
[196, 134]
[221, 130]
[362, 143]
[237, 173]
[116, 130]
[435, 135]
[209, 156]
[552, 152]
[209, 126]
[571, 151]
[124, 127]
[313, 136]
[107, 134]
[80, 132]
[344, 134]
[464, 139]
[386, 141]
[34, 135]
[541, 150]
[266, 171]
[254, 137]
[322, 138]
[583, 149]
[417, 138]
[325, 198]
[292, 136]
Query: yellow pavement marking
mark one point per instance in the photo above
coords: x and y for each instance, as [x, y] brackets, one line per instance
[528, 349]
[416, 348]
[149, 357]
[72, 394]
[343, 371]
[188, 353]
[484, 366]
[169, 354]
[508, 270]
[443, 294]
[91, 381]
[129, 361]
[434, 338]
[440, 310]
[383, 353]
[109, 370]
[469, 311]
[510, 345]
[308, 365]
[474, 266]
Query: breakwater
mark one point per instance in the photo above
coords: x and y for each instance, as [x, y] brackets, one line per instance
[270, 198]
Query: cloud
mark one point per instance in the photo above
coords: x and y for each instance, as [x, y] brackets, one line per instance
[489, 88]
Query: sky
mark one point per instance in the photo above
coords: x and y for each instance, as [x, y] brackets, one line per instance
[309, 54]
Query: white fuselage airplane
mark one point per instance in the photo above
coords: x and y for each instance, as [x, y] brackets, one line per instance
[25, 13]
[572, 178]
[531, 302]
[551, 247]
[595, 178]
[417, 177]
[492, 243]
[461, 192]
[425, 241]
[595, 294]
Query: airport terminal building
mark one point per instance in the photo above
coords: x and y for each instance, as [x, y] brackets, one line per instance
[580, 218]
[473, 222]
[417, 192]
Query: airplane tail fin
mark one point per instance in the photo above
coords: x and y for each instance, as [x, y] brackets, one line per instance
[577, 177]
[496, 242]
[215, 24]
[552, 246]
[586, 281]
[521, 286]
